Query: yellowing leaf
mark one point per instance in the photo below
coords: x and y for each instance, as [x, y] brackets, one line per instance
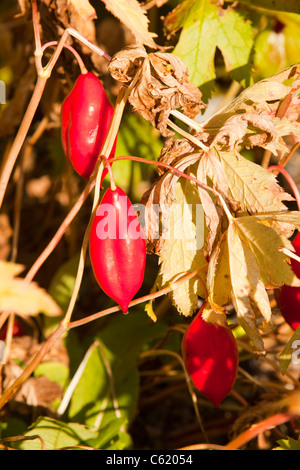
[254, 187]
[130, 13]
[246, 286]
[262, 93]
[84, 9]
[266, 243]
[245, 260]
[181, 252]
[210, 316]
[218, 276]
[8, 270]
[21, 297]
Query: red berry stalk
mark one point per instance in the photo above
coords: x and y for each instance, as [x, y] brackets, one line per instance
[85, 119]
[117, 247]
[211, 358]
[288, 297]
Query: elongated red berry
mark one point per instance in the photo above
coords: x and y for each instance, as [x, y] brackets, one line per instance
[85, 119]
[288, 297]
[117, 247]
[211, 358]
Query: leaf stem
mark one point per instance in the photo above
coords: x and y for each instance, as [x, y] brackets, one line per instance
[187, 135]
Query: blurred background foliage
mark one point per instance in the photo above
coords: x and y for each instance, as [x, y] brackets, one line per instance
[132, 392]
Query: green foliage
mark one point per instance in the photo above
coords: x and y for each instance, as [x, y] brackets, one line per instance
[278, 5]
[51, 434]
[288, 444]
[109, 386]
[206, 27]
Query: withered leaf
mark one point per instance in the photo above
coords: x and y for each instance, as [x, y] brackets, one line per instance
[218, 276]
[256, 97]
[159, 197]
[262, 132]
[246, 286]
[246, 259]
[161, 86]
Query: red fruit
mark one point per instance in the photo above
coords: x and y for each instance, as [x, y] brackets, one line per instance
[17, 330]
[288, 297]
[85, 119]
[117, 247]
[211, 358]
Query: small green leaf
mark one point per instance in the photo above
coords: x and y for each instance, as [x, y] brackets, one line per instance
[288, 444]
[55, 371]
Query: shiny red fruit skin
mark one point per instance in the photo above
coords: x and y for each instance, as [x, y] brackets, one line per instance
[288, 297]
[118, 261]
[211, 358]
[85, 119]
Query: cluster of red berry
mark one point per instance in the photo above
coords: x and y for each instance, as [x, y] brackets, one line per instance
[209, 351]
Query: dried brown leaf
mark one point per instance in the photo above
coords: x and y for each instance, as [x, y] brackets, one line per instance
[162, 85]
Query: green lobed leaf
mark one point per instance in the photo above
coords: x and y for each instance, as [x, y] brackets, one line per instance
[205, 26]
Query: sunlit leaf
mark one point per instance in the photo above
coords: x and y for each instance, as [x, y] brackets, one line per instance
[254, 187]
[205, 26]
[21, 297]
[181, 252]
[131, 14]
